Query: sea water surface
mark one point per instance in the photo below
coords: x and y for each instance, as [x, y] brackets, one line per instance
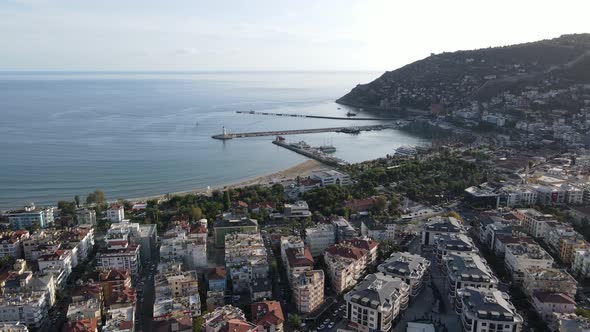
[142, 134]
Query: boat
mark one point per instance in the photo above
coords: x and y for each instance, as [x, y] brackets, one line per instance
[328, 148]
[351, 130]
[405, 152]
[350, 114]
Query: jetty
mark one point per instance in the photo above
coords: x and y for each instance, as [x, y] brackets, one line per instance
[310, 152]
[316, 116]
[226, 135]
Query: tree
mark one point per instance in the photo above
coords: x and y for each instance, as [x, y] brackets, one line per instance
[226, 200]
[96, 197]
[196, 213]
[454, 215]
[67, 208]
[295, 320]
[77, 200]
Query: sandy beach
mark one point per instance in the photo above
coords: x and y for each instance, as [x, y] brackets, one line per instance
[302, 169]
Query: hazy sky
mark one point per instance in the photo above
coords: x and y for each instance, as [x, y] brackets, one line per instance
[267, 34]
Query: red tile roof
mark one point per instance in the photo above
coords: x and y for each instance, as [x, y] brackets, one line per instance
[115, 275]
[82, 325]
[363, 244]
[216, 273]
[238, 325]
[548, 297]
[267, 313]
[296, 259]
[346, 251]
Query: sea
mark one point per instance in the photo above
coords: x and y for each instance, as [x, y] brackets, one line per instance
[147, 133]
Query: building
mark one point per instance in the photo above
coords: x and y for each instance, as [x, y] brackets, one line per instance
[570, 323]
[59, 263]
[113, 282]
[412, 269]
[30, 216]
[517, 196]
[299, 260]
[176, 294]
[448, 244]
[11, 243]
[348, 261]
[120, 318]
[13, 327]
[568, 245]
[483, 310]
[533, 221]
[86, 217]
[344, 230]
[227, 319]
[439, 226]
[245, 259]
[501, 240]
[581, 263]
[331, 177]
[268, 316]
[491, 226]
[289, 242]
[178, 244]
[319, 238]
[216, 279]
[297, 210]
[230, 225]
[521, 256]
[116, 213]
[549, 280]
[308, 290]
[467, 271]
[548, 303]
[481, 197]
[144, 235]
[30, 308]
[119, 256]
[376, 302]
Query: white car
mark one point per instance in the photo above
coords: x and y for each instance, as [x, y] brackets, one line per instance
[321, 327]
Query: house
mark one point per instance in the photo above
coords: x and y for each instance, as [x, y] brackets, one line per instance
[116, 213]
[268, 316]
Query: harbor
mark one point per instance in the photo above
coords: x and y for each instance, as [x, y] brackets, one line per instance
[225, 135]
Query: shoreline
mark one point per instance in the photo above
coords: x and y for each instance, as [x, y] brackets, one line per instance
[302, 169]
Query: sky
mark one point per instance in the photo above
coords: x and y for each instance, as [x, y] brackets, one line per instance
[266, 35]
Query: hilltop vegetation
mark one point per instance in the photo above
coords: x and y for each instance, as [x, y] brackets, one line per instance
[457, 78]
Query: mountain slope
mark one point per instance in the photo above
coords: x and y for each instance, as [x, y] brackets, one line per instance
[456, 78]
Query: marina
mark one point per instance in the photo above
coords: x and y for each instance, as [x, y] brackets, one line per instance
[311, 152]
[225, 135]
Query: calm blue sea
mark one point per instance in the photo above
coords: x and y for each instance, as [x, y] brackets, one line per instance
[136, 134]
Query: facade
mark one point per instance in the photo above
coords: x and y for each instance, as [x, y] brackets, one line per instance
[13, 327]
[11, 243]
[502, 240]
[522, 256]
[113, 282]
[176, 294]
[568, 245]
[581, 263]
[376, 302]
[144, 235]
[412, 269]
[290, 242]
[548, 303]
[30, 308]
[483, 310]
[319, 238]
[268, 316]
[331, 177]
[119, 256]
[346, 262]
[570, 323]
[440, 226]
[116, 213]
[299, 209]
[30, 216]
[467, 271]
[549, 280]
[59, 263]
[86, 217]
[344, 230]
[308, 290]
[245, 259]
[299, 260]
[230, 225]
[533, 221]
[481, 197]
[216, 278]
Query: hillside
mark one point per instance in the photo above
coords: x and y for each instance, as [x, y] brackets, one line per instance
[455, 79]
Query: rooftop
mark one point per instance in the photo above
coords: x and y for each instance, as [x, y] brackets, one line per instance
[488, 304]
[377, 290]
[404, 264]
[531, 251]
[549, 297]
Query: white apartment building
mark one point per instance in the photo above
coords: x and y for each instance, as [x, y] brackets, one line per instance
[484, 310]
[533, 221]
[116, 213]
[227, 318]
[308, 290]
[176, 245]
[549, 280]
[299, 209]
[245, 259]
[467, 271]
[375, 302]
[121, 256]
[448, 244]
[517, 196]
[319, 238]
[59, 262]
[86, 217]
[521, 256]
[30, 216]
[176, 293]
[290, 242]
[438, 226]
[347, 262]
[581, 263]
[331, 177]
[547, 304]
[11, 243]
[30, 308]
[412, 269]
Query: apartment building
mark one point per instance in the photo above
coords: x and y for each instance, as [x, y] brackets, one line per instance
[245, 259]
[230, 224]
[120, 256]
[412, 269]
[11, 243]
[376, 302]
[549, 280]
[448, 244]
[227, 318]
[467, 271]
[289, 242]
[116, 213]
[437, 226]
[331, 177]
[29, 216]
[268, 316]
[30, 308]
[86, 217]
[533, 221]
[308, 290]
[546, 304]
[319, 238]
[483, 310]
[521, 256]
[346, 262]
[299, 260]
[581, 263]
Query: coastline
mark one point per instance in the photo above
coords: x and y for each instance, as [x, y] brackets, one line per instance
[284, 175]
